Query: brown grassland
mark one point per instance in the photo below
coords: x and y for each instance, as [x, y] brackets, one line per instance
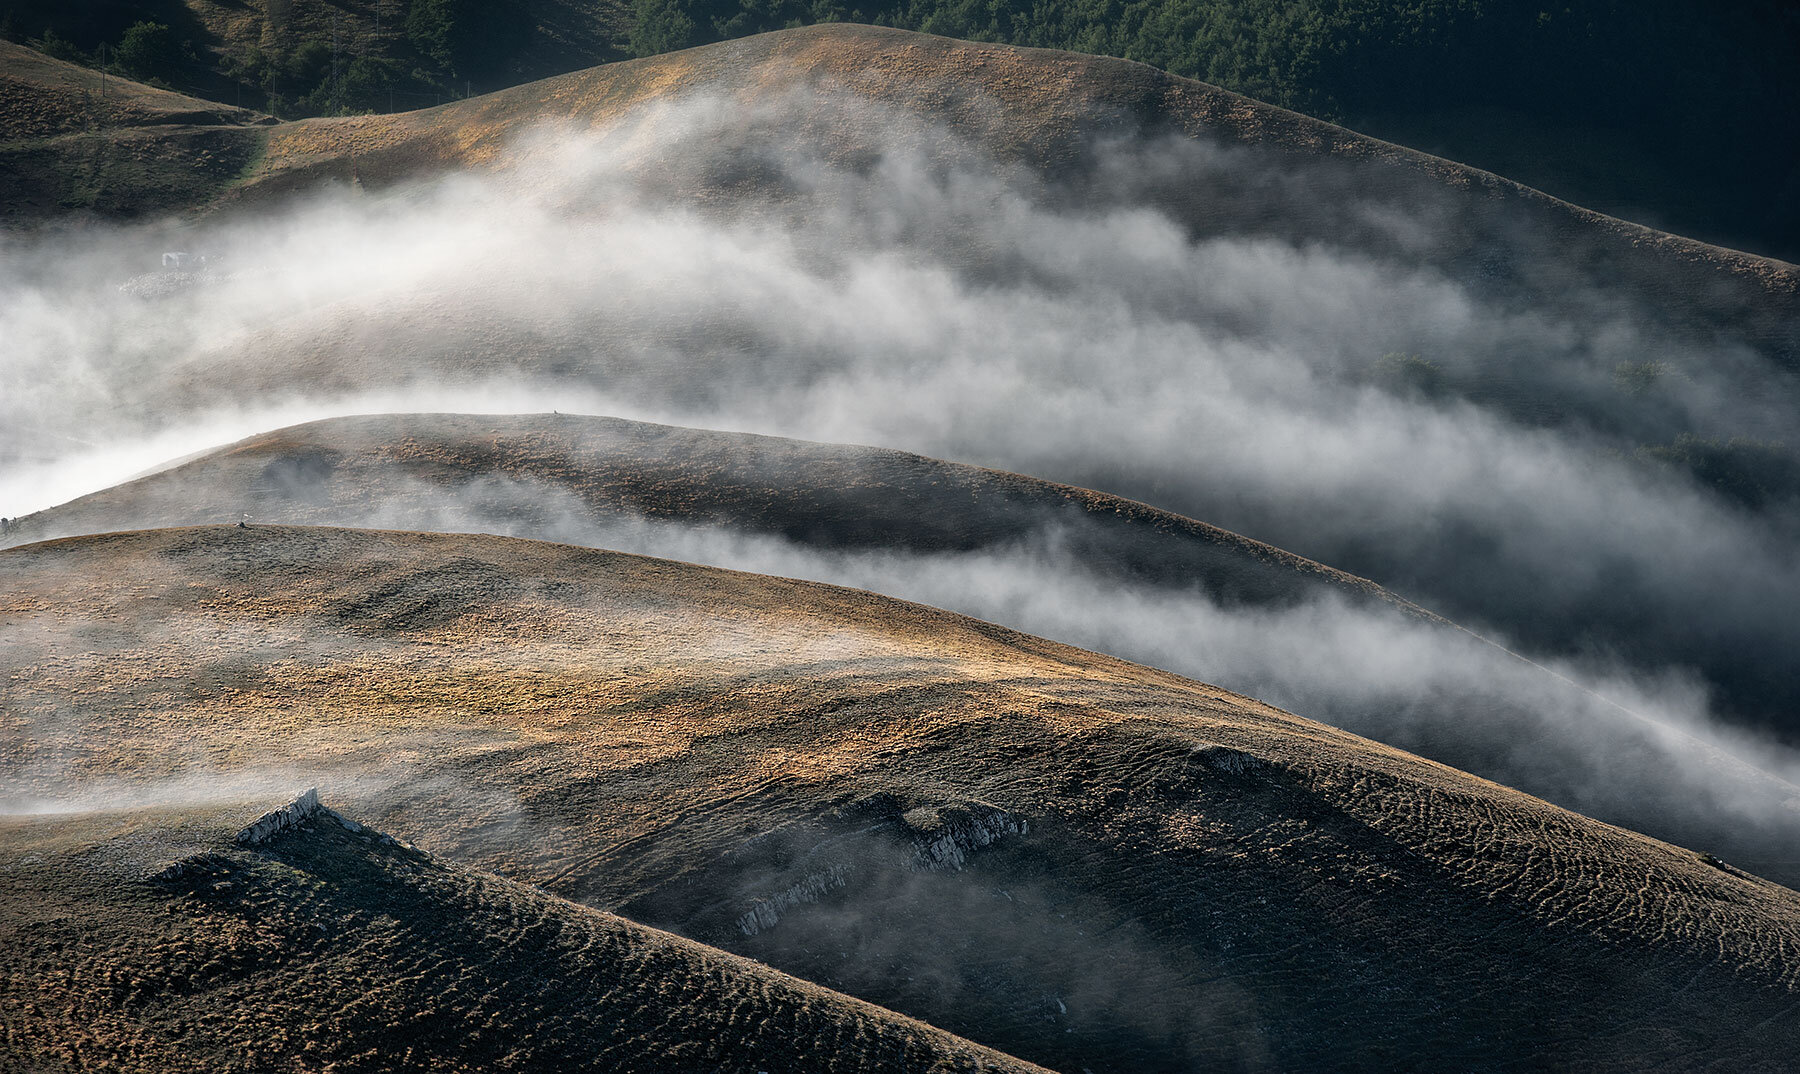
[410, 471]
[570, 477]
[334, 949]
[71, 140]
[634, 794]
[1076, 860]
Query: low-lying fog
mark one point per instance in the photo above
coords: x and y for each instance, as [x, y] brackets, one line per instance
[1515, 466]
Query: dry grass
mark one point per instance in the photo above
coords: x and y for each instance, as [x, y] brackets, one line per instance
[71, 140]
[41, 97]
[1035, 105]
[571, 477]
[1203, 879]
[330, 950]
[405, 470]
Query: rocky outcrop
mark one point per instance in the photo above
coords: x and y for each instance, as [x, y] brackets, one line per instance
[766, 912]
[274, 822]
[884, 839]
[303, 810]
[945, 836]
[297, 812]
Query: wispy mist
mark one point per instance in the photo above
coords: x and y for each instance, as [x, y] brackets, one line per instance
[1349, 392]
[1642, 749]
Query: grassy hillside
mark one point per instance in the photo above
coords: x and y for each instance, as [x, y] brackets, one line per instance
[892, 520]
[149, 940]
[74, 139]
[1047, 109]
[308, 57]
[1079, 861]
[1670, 113]
[417, 471]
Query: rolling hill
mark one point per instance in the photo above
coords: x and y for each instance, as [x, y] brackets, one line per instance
[1039, 105]
[1658, 112]
[153, 940]
[698, 237]
[1062, 113]
[434, 471]
[899, 523]
[72, 140]
[1079, 861]
[1568, 432]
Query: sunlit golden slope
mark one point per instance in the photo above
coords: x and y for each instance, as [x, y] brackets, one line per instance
[1079, 861]
[590, 480]
[1038, 105]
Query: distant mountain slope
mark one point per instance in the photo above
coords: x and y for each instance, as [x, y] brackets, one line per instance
[74, 139]
[149, 941]
[1064, 113]
[308, 57]
[1666, 112]
[1046, 108]
[1670, 113]
[1083, 862]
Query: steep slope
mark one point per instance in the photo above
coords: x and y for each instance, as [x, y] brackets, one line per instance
[152, 940]
[1036, 104]
[1674, 112]
[75, 139]
[1080, 861]
[1556, 98]
[308, 57]
[898, 523]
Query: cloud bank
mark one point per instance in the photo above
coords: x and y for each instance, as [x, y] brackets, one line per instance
[1347, 393]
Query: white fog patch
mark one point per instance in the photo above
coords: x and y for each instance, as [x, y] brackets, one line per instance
[927, 298]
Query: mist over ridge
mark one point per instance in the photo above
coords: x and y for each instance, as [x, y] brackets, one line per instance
[1069, 565]
[1149, 322]
[689, 747]
[1122, 574]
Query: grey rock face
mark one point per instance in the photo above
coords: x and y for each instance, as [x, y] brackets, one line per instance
[766, 912]
[273, 823]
